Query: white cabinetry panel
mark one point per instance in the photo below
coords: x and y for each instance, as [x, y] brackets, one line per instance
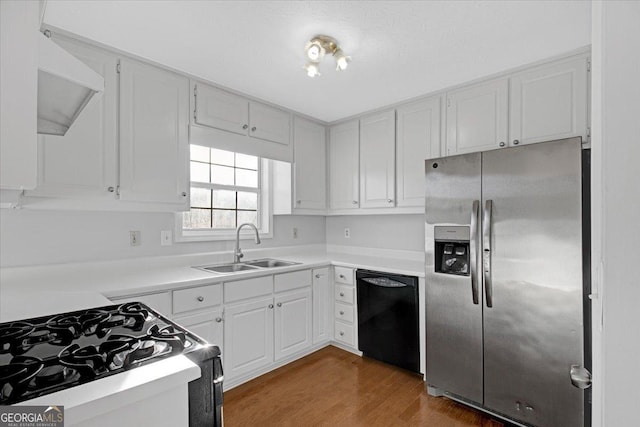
[417, 139]
[207, 326]
[549, 102]
[477, 117]
[154, 140]
[293, 323]
[377, 160]
[221, 109]
[321, 307]
[344, 172]
[309, 165]
[269, 124]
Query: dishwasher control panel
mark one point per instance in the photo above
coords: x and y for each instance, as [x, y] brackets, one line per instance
[452, 250]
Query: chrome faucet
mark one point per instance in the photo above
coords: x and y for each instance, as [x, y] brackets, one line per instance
[237, 253]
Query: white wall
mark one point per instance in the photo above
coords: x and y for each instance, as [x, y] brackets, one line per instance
[48, 237]
[616, 210]
[405, 232]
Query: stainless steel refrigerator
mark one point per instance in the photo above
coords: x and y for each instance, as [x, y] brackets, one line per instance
[506, 275]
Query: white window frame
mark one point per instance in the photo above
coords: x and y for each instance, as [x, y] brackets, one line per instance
[265, 210]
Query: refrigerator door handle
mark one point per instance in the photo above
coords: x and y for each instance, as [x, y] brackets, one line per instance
[486, 253]
[473, 244]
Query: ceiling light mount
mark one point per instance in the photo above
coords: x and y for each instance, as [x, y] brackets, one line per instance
[315, 50]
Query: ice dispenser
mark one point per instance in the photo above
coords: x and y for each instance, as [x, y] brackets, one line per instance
[452, 250]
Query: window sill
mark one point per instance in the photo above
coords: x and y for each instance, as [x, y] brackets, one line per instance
[185, 237]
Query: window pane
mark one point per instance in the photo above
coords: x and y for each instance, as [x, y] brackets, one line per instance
[247, 216]
[222, 157]
[224, 219]
[197, 218]
[199, 172]
[200, 153]
[247, 200]
[245, 178]
[224, 199]
[221, 175]
[200, 197]
[247, 162]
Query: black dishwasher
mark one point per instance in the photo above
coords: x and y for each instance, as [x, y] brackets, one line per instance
[388, 318]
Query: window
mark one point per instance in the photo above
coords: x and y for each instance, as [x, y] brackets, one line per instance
[227, 189]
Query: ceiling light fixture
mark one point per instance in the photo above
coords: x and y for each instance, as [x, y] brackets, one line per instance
[315, 50]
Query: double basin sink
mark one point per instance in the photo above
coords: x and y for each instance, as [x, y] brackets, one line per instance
[235, 267]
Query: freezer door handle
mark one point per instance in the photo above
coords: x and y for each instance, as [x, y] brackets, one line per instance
[473, 247]
[486, 253]
[580, 377]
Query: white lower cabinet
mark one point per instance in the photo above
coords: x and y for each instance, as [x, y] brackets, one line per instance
[293, 322]
[345, 331]
[248, 336]
[207, 325]
[321, 300]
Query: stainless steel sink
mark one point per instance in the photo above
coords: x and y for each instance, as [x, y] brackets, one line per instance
[270, 263]
[244, 266]
[226, 268]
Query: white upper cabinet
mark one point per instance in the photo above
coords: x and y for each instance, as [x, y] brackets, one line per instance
[221, 110]
[417, 139]
[309, 165]
[19, 22]
[378, 160]
[549, 102]
[269, 124]
[343, 166]
[83, 162]
[228, 121]
[477, 117]
[154, 135]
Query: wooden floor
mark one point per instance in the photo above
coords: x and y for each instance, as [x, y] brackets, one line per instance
[332, 387]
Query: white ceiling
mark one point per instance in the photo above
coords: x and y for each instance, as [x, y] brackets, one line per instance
[400, 49]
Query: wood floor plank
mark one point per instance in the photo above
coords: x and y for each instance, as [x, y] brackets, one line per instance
[332, 387]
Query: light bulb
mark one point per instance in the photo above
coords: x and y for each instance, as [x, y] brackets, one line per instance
[314, 52]
[342, 60]
[312, 69]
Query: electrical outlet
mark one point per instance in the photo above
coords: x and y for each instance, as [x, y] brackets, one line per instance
[134, 238]
[295, 232]
[165, 238]
[347, 233]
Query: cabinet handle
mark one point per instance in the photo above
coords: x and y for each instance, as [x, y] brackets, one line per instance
[341, 294]
[218, 319]
[502, 144]
[341, 333]
[111, 189]
[298, 201]
[270, 305]
[200, 299]
[516, 142]
[253, 129]
[317, 276]
[341, 313]
[279, 304]
[184, 194]
[389, 200]
[355, 202]
[342, 276]
[245, 126]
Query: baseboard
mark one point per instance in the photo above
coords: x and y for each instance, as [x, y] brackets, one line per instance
[346, 348]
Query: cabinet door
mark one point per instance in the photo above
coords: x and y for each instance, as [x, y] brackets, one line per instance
[418, 138]
[293, 323]
[309, 165]
[221, 110]
[269, 123]
[378, 160]
[83, 162]
[477, 117]
[549, 102]
[154, 139]
[207, 326]
[248, 336]
[344, 172]
[321, 311]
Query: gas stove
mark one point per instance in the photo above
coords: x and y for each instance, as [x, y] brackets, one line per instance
[47, 354]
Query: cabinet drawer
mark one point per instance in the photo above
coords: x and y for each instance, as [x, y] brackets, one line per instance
[243, 289]
[343, 275]
[288, 281]
[343, 333]
[344, 294]
[195, 298]
[344, 312]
